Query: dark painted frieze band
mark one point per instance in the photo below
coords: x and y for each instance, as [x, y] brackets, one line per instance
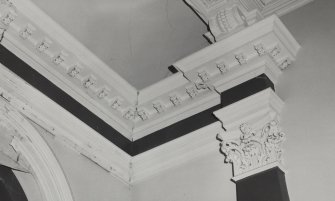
[181, 128]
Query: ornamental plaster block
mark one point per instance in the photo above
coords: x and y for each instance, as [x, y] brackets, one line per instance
[252, 138]
[255, 148]
[265, 47]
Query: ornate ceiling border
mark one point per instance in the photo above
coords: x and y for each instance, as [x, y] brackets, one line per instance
[254, 110]
[50, 50]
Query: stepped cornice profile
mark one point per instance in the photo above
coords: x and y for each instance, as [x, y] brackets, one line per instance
[264, 47]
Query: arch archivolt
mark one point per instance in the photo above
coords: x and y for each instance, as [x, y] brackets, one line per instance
[28, 152]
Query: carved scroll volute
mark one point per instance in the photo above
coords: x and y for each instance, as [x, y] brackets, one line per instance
[254, 148]
[224, 17]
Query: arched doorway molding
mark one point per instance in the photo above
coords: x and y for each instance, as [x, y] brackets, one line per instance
[40, 160]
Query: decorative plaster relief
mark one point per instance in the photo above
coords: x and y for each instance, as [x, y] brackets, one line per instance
[285, 64]
[103, 93]
[254, 148]
[44, 45]
[175, 99]
[241, 59]
[8, 14]
[9, 17]
[223, 68]
[260, 49]
[192, 91]
[60, 58]
[159, 107]
[204, 76]
[116, 103]
[142, 114]
[24, 28]
[130, 114]
[89, 82]
[27, 31]
[230, 18]
[74, 71]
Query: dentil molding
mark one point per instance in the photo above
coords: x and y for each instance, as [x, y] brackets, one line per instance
[266, 47]
[46, 47]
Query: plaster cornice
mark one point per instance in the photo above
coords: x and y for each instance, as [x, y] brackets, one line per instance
[266, 47]
[65, 127]
[69, 130]
[54, 53]
[254, 110]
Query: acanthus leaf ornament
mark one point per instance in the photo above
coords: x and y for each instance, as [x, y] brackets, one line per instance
[275, 51]
[8, 14]
[254, 149]
[201, 85]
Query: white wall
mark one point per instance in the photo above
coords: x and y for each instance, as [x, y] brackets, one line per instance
[87, 180]
[204, 179]
[308, 91]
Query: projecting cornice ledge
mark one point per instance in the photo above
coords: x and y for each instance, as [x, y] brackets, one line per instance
[263, 47]
[262, 108]
[251, 125]
[266, 47]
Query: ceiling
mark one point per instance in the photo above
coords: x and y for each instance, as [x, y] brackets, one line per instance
[139, 39]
